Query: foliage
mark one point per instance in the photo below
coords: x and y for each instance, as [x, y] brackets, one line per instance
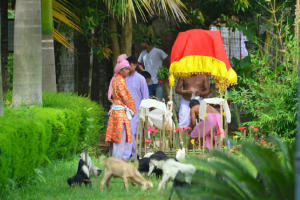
[10, 60]
[267, 90]
[93, 117]
[124, 10]
[162, 73]
[205, 12]
[253, 173]
[94, 26]
[63, 14]
[143, 33]
[29, 136]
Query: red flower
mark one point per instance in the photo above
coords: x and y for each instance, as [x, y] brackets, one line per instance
[264, 142]
[254, 128]
[178, 129]
[187, 128]
[152, 129]
[148, 141]
[161, 81]
[219, 132]
[242, 128]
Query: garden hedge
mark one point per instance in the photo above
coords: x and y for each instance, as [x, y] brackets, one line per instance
[29, 136]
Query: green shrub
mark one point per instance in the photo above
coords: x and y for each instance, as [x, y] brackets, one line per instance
[267, 90]
[31, 135]
[93, 117]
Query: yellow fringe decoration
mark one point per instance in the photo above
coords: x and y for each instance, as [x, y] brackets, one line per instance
[190, 65]
[171, 80]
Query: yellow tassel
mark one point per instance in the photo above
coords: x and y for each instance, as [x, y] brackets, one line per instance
[171, 80]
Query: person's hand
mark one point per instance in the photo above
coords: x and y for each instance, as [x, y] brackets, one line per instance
[191, 91]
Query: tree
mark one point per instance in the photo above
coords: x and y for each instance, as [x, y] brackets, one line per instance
[4, 43]
[1, 88]
[58, 11]
[49, 75]
[123, 13]
[27, 78]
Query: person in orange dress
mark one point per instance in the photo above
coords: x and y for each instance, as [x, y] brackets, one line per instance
[123, 108]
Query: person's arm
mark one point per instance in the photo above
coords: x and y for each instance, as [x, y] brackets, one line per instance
[144, 89]
[164, 57]
[206, 87]
[140, 65]
[193, 118]
[179, 88]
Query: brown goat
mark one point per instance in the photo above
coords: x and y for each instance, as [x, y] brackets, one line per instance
[115, 167]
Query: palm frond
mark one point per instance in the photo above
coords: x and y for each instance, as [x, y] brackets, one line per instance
[62, 13]
[58, 18]
[254, 173]
[62, 39]
[123, 9]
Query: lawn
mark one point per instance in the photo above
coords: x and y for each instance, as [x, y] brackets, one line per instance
[50, 183]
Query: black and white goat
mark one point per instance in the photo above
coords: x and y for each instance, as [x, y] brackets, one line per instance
[82, 175]
[144, 163]
[94, 170]
[170, 168]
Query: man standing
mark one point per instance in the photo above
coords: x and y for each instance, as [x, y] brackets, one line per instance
[152, 58]
[194, 87]
[137, 86]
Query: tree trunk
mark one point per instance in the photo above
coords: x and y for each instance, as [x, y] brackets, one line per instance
[82, 65]
[102, 72]
[1, 92]
[4, 43]
[65, 64]
[113, 26]
[49, 74]
[48, 60]
[27, 79]
[126, 37]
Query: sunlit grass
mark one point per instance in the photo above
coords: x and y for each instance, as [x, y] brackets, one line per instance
[52, 184]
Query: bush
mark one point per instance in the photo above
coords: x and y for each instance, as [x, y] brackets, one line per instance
[31, 135]
[93, 118]
[271, 104]
[267, 90]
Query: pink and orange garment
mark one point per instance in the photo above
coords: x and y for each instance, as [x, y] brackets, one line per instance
[118, 118]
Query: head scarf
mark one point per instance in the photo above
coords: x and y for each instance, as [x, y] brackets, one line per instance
[121, 63]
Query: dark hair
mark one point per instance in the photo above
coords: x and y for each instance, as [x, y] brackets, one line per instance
[132, 60]
[194, 102]
[145, 74]
[147, 40]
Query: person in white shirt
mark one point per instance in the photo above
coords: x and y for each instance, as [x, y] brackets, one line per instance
[152, 59]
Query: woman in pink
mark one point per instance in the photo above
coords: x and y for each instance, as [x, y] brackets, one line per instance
[118, 131]
[212, 120]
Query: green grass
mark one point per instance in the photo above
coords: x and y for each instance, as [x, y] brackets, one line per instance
[50, 183]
